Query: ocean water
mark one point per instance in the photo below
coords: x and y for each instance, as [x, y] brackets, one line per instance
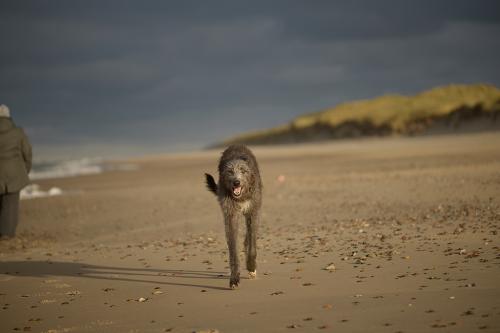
[66, 168]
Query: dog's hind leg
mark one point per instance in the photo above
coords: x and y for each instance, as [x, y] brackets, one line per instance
[231, 225]
[251, 220]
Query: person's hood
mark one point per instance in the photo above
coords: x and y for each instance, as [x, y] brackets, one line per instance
[6, 124]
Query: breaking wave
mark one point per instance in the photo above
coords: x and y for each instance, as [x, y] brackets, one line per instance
[67, 168]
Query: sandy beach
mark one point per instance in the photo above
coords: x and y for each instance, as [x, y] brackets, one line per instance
[381, 235]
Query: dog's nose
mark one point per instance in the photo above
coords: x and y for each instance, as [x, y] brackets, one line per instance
[236, 183]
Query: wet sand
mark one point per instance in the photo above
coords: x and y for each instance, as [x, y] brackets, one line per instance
[407, 227]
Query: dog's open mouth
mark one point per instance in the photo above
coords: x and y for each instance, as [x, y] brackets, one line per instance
[237, 191]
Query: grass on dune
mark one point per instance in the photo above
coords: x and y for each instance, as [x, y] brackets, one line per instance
[396, 112]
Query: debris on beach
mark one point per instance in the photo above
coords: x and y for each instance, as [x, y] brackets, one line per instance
[293, 326]
[330, 267]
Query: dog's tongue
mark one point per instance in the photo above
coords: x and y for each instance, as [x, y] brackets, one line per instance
[237, 190]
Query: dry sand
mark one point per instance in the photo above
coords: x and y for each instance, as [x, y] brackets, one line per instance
[410, 225]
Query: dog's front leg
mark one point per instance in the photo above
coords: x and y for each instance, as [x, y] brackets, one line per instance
[231, 225]
[252, 220]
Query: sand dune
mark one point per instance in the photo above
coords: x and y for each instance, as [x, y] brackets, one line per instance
[386, 235]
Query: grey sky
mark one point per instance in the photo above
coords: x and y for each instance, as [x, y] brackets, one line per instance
[131, 77]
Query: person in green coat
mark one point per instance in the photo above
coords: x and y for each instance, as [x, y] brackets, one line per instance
[15, 164]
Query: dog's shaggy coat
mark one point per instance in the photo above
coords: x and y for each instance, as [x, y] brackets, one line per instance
[239, 192]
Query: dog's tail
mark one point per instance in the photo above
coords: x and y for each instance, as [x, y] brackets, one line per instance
[211, 184]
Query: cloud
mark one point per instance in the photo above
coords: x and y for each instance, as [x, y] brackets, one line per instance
[189, 73]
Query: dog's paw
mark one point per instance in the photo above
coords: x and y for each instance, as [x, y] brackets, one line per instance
[252, 275]
[234, 281]
[233, 284]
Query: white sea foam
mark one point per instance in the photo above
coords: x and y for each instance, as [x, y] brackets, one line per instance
[69, 168]
[33, 191]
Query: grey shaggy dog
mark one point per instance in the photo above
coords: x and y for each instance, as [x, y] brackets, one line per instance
[239, 193]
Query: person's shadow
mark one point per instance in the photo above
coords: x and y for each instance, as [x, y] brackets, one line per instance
[142, 275]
